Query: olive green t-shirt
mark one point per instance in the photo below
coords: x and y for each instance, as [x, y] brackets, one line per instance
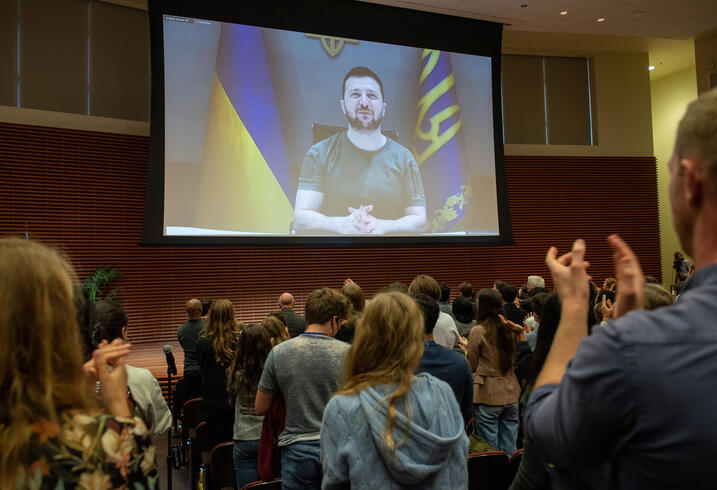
[387, 178]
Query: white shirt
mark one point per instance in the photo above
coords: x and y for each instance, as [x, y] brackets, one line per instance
[445, 332]
[149, 402]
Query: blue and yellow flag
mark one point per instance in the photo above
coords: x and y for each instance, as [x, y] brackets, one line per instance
[438, 144]
[246, 176]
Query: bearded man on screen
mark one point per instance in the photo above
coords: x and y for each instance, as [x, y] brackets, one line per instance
[359, 181]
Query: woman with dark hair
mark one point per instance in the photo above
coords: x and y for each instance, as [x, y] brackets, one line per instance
[491, 356]
[111, 323]
[276, 326]
[463, 313]
[215, 351]
[532, 474]
[243, 375]
[382, 429]
[357, 302]
[53, 432]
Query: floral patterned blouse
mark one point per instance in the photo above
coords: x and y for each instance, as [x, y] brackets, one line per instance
[91, 452]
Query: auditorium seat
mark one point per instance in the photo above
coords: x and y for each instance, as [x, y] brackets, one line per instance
[513, 464]
[263, 485]
[222, 462]
[487, 470]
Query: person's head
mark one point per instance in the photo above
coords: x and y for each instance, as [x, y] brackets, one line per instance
[429, 309]
[286, 300]
[650, 279]
[325, 306]
[206, 305]
[110, 321]
[396, 287]
[466, 289]
[490, 305]
[537, 303]
[252, 347]
[194, 309]
[354, 294]
[656, 296]
[463, 309]
[221, 329]
[508, 293]
[386, 350]
[424, 284]
[362, 100]
[535, 282]
[609, 284]
[277, 329]
[41, 373]
[445, 293]
[693, 170]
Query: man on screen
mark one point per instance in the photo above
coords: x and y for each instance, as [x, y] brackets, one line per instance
[359, 181]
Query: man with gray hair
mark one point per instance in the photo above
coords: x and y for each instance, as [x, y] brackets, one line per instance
[638, 392]
[535, 282]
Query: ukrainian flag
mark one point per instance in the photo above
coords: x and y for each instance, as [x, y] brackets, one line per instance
[246, 176]
[438, 144]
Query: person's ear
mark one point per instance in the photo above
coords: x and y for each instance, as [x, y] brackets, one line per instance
[694, 179]
[343, 106]
[124, 332]
[383, 112]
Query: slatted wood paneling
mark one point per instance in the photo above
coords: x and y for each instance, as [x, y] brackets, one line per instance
[84, 191]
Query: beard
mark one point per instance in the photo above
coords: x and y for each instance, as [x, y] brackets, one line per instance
[360, 125]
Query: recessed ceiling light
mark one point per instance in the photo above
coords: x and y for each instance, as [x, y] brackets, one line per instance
[564, 12]
[651, 67]
[600, 19]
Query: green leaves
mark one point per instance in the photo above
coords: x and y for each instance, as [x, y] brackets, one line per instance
[95, 283]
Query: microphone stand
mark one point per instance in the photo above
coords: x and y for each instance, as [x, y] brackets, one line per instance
[169, 432]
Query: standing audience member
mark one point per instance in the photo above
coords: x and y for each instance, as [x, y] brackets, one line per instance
[188, 336]
[382, 430]
[537, 302]
[111, 323]
[466, 290]
[444, 305]
[305, 372]
[357, 303]
[278, 331]
[511, 312]
[491, 355]
[49, 415]
[215, 349]
[638, 392]
[445, 332]
[463, 313]
[295, 322]
[443, 363]
[243, 375]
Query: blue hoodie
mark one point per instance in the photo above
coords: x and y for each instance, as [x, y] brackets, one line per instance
[432, 446]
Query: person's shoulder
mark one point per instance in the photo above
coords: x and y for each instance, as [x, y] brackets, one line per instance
[139, 373]
[326, 145]
[397, 148]
[343, 404]
[428, 384]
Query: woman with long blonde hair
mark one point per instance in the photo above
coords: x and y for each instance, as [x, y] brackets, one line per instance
[52, 430]
[215, 351]
[387, 427]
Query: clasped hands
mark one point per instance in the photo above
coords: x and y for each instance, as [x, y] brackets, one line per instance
[570, 277]
[360, 221]
[108, 367]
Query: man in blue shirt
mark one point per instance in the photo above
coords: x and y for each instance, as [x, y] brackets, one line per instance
[444, 363]
[640, 391]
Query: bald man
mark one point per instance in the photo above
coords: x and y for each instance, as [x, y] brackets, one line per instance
[188, 336]
[294, 321]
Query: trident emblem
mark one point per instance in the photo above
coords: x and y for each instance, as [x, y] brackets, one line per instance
[332, 45]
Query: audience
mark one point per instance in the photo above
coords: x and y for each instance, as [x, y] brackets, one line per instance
[464, 315]
[491, 355]
[537, 302]
[305, 371]
[445, 332]
[637, 393]
[188, 336]
[466, 290]
[51, 423]
[511, 312]
[443, 304]
[253, 345]
[277, 329]
[294, 321]
[383, 428]
[111, 323]
[443, 363]
[215, 351]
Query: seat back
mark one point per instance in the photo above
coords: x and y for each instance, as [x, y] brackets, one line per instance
[514, 464]
[487, 470]
[223, 475]
[192, 415]
[263, 485]
[178, 399]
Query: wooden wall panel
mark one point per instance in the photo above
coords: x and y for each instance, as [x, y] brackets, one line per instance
[84, 192]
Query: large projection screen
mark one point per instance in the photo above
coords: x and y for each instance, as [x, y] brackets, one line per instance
[301, 125]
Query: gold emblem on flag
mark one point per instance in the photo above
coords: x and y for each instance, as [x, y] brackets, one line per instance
[332, 45]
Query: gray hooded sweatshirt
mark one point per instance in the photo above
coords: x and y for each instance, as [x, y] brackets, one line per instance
[432, 446]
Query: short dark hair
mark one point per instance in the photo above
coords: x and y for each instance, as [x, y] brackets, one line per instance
[508, 292]
[429, 308]
[445, 293]
[463, 309]
[110, 319]
[323, 304]
[466, 289]
[361, 71]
